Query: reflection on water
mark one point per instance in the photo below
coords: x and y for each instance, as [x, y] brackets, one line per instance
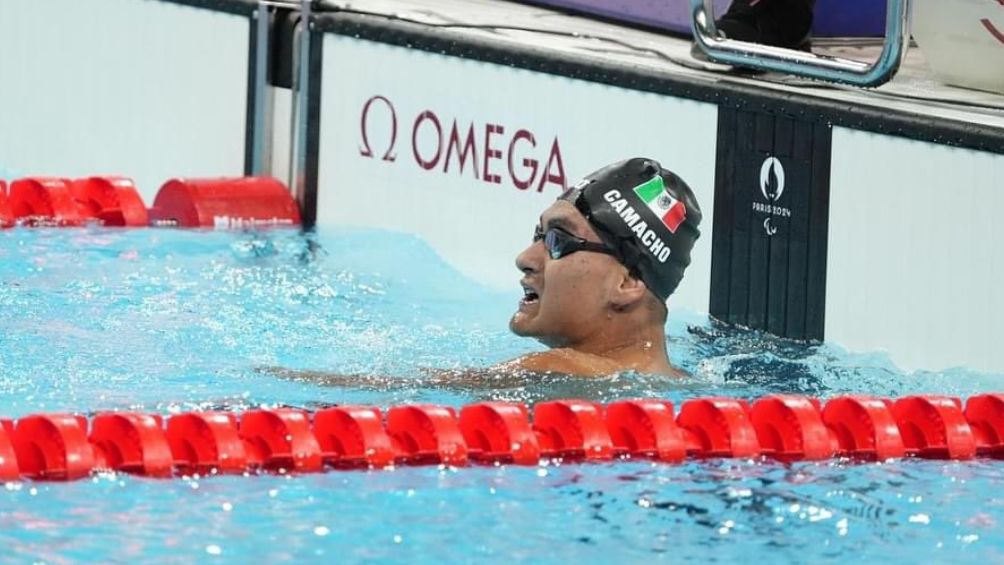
[164, 321]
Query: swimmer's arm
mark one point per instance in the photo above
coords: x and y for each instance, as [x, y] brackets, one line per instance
[450, 380]
[364, 382]
[513, 373]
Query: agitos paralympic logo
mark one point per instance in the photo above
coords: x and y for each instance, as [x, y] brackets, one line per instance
[489, 152]
[772, 183]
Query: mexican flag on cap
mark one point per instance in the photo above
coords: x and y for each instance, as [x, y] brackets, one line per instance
[671, 211]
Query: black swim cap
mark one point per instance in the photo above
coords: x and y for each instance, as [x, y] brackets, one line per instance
[647, 214]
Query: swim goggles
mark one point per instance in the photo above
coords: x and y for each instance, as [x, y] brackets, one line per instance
[559, 243]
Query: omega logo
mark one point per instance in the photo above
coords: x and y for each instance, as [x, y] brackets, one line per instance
[485, 151]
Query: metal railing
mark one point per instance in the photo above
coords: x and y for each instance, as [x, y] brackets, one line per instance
[263, 115]
[800, 63]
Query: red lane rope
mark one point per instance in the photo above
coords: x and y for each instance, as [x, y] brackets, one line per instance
[782, 427]
[114, 201]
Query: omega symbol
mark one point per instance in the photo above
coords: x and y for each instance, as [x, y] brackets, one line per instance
[366, 150]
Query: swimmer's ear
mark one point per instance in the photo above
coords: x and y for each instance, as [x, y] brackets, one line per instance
[629, 292]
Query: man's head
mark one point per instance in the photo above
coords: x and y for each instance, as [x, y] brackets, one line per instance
[609, 252]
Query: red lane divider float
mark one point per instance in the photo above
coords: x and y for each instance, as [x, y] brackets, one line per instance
[53, 446]
[9, 469]
[206, 442]
[791, 428]
[783, 427]
[934, 427]
[353, 437]
[44, 201]
[115, 201]
[6, 214]
[572, 429]
[499, 432]
[226, 203]
[134, 443]
[718, 427]
[985, 415]
[646, 428]
[281, 439]
[864, 427]
[426, 435]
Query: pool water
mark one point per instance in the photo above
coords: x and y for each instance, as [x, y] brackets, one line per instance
[164, 321]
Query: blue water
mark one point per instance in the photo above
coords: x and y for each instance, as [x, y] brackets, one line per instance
[164, 321]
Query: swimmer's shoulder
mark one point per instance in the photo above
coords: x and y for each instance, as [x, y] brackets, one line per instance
[564, 361]
[575, 363]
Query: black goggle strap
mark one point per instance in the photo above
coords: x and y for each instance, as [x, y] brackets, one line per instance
[628, 255]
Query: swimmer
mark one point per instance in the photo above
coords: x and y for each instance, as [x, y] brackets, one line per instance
[603, 261]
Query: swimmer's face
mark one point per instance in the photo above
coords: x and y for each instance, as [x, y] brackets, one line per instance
[565, 300]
